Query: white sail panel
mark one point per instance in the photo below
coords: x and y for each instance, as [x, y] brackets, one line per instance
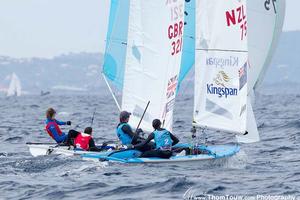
[153, 60]
[221, 65]
[265, 21]
[14, 86]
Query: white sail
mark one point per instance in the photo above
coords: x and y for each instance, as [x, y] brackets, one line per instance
[14, 86]
[153, 60]
[221, 65]
[265, 21]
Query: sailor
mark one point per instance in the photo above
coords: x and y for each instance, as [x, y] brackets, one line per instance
[124, 130]
[164, 140]
[84, 141]
[52, 126]
[128, 137]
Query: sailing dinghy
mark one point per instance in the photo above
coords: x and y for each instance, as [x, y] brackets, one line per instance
[44, 149]
[219, 41]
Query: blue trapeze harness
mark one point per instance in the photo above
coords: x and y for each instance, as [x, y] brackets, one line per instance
[162, 139]
[125, 138]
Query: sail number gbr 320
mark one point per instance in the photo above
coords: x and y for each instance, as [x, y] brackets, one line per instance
[175, 29]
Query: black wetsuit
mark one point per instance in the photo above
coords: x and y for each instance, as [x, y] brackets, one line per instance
[157, 152]
[136, 139]
[73, 134]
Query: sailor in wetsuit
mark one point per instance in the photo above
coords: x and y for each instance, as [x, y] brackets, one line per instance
[52, 127]
[164, 140]
[127, 136]
[84, 140]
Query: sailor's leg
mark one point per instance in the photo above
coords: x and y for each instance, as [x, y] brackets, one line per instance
[157, 153]
[71, 136]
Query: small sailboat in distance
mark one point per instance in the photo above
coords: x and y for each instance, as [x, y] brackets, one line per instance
[14, 88]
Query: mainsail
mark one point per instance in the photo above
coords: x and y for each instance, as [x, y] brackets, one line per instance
[143, 58]
[264, 25]
[14, 86]
[221, 66]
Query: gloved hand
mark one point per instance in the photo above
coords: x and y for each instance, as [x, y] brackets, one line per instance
[68, 122]
[139, 130]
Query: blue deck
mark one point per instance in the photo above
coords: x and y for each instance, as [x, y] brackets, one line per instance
[132, 156]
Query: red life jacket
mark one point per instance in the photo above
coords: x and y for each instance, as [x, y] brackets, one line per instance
[82, 141]
[53, 123]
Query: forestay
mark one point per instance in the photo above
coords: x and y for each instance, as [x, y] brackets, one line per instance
[153, 58]
[221, 65]
[265, 21]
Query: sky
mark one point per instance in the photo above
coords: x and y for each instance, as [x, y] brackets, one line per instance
[47, 28]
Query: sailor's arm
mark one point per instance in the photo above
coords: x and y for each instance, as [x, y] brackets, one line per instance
[128, 131]
[174, 139]
[150, 137]
[60, 122]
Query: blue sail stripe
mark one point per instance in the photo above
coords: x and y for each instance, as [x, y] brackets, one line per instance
[188, 55]
[116, 42]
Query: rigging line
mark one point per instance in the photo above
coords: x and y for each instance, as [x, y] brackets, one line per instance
[112, 93]
[224, 50]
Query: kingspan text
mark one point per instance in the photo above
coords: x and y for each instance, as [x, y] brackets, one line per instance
[221, 91]
[221, 62]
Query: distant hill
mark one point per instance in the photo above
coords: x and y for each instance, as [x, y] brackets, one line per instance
[80, 72]
[72, 72]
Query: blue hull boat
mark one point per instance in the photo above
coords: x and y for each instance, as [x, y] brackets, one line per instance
[208, 152]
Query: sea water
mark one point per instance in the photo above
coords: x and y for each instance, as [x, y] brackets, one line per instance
[264, 169]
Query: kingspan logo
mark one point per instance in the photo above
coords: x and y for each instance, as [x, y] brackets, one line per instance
[221, 62]
[221, 80]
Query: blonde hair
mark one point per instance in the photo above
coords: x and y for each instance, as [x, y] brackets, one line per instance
[50, 113]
